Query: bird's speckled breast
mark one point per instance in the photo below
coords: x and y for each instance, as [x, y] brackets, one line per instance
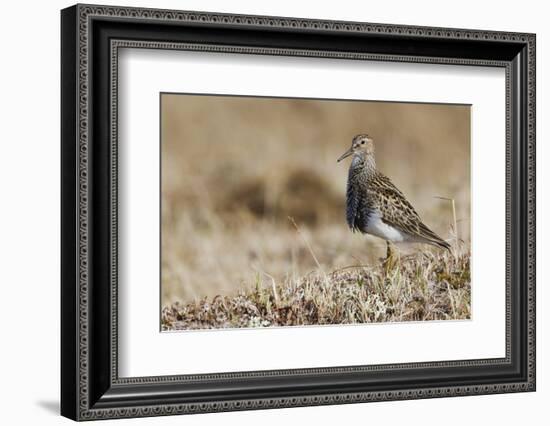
[358, 205]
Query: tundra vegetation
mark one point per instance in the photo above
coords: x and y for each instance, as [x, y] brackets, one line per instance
[253, 228]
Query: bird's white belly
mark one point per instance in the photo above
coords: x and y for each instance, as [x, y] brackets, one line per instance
[376, 227]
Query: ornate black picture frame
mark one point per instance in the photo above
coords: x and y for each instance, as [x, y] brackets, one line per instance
[91, 36]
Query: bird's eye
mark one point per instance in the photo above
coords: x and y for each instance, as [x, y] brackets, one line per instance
[362, 142]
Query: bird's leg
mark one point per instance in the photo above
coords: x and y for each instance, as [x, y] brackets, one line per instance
[389, 251]
[392, 257]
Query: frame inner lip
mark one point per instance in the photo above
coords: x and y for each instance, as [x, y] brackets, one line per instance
[115, 45]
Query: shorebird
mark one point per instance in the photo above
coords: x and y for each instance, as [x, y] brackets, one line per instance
[375, 206]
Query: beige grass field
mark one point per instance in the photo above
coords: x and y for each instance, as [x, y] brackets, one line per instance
[235, 169]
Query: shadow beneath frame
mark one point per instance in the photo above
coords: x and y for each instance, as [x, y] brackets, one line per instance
[51, 406]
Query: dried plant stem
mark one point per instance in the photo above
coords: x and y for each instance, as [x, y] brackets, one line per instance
[455, 226]
[273, 287]
[304, 239]
[351, 267]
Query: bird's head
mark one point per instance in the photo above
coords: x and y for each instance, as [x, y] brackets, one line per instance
[361, 146]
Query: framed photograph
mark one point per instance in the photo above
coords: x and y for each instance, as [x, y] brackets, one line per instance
[263, 212]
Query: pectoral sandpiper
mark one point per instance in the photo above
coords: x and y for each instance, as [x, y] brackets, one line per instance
[375, 206]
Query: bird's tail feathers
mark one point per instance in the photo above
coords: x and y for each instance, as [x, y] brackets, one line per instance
[432, 238]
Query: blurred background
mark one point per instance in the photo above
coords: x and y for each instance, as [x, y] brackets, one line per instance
[234, 169]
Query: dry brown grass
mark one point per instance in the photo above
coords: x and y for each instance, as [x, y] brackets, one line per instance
[420, 287]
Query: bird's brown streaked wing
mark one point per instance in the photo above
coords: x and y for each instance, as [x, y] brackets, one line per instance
[394, 207]
[398, 212]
